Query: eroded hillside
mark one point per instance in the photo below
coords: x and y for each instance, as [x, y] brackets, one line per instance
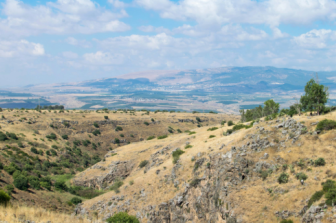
[252, 175]
[50, 146]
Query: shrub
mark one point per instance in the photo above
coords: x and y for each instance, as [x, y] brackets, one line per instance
[60, 185]
[54, 147]
[328, 185]
[195, 182]
[223, 122]
[198, 119]
[143, 163]
[66, 137]
[238, 127]
[212, 129]
[331, 197]
[162, 137]
[230, 123]
[229, 131]
[212, 136]
[96, 132]
[76, 200]
[176, 155]
[122, 217]
[12, 136]
[9, 188]
[105, 117]
[34, 150]
[51, 136]
[96, 125]
[286, 221]
[188, 146]
[34, 182]
[121, 135]
[326, 125]
[118, 128]
[191, 133]
[151, 137]
[320, 162]
[264, 174]
[146, 123]
[4, 198]
[3, 136]
[131, 182]
[116, 140]
[301, 176]
[116, 185]
[283, 178]
[179, 130]
[21, 182]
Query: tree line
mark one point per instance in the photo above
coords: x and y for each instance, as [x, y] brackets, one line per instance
[314, 100]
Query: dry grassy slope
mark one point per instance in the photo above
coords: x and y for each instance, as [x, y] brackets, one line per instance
[132, 124]
[250, 200]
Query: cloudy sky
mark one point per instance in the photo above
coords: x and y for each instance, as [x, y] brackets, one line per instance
[73, 40]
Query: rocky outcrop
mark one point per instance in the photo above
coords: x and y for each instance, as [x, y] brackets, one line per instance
[115, 170]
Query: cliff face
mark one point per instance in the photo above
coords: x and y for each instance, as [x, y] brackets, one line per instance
[233, 178]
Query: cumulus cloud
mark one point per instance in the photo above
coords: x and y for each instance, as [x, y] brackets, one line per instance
[20, 48]
[271, 12]
[60, 17]
[317, 39]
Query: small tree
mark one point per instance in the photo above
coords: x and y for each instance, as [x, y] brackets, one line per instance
[271, 107]
[316, 96]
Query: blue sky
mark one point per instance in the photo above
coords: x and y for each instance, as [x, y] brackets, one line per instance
[76, 40]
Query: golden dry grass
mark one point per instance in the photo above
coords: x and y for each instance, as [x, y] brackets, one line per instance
[38, 215]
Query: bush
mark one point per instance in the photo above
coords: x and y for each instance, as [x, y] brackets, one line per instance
[223, 122]
[176, 155]
[283, 178]
[116, 185]
[96, 132]
[105, 117]
[230, 123]
[328, 185]
[162, 137]
[96, 125]
[121, 135]
[301, 176]
[51, 136]
[238, 127]
[179, 130]
[118, 128]
[188, 146]
[143, 163]
[331, 197]
[326, 125]
[116, 140]
[151, 137]
[12, 136]
[4, 198]
[3, 136]
[320, 162]
[34, 150]
[122, 217]
[264, 174]
[9, 188]
[76, 200]
[211, 136]
[66, 137]
[212, 129]
[195, 182]
[60, 185]
[34, 182]
[146, 123]
[286, 221]
[21, 182]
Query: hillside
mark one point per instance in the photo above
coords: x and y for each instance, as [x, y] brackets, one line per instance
[230, 178]
[49, 147]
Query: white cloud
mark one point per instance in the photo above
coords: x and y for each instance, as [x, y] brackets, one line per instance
[20, 48]
[118, 4]
[317, 39]
[146, 29]
[271, 12]
[60, 17]
[75, 42]
[103, 58]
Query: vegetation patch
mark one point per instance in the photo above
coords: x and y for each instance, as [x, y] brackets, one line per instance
[212, 129]
[162, 137]
[283, 178]
[212, 136]
[143, 163]
[188, 146]
[151, 137]
[326, 125]
[122, 217]
[176, 155]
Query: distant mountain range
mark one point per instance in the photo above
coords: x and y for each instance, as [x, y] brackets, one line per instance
[227, 79]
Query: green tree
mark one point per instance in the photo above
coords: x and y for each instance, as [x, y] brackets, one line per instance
[271, 107]
[315, 97]
[5, 198]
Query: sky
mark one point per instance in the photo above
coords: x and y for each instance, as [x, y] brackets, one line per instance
[74, 40]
